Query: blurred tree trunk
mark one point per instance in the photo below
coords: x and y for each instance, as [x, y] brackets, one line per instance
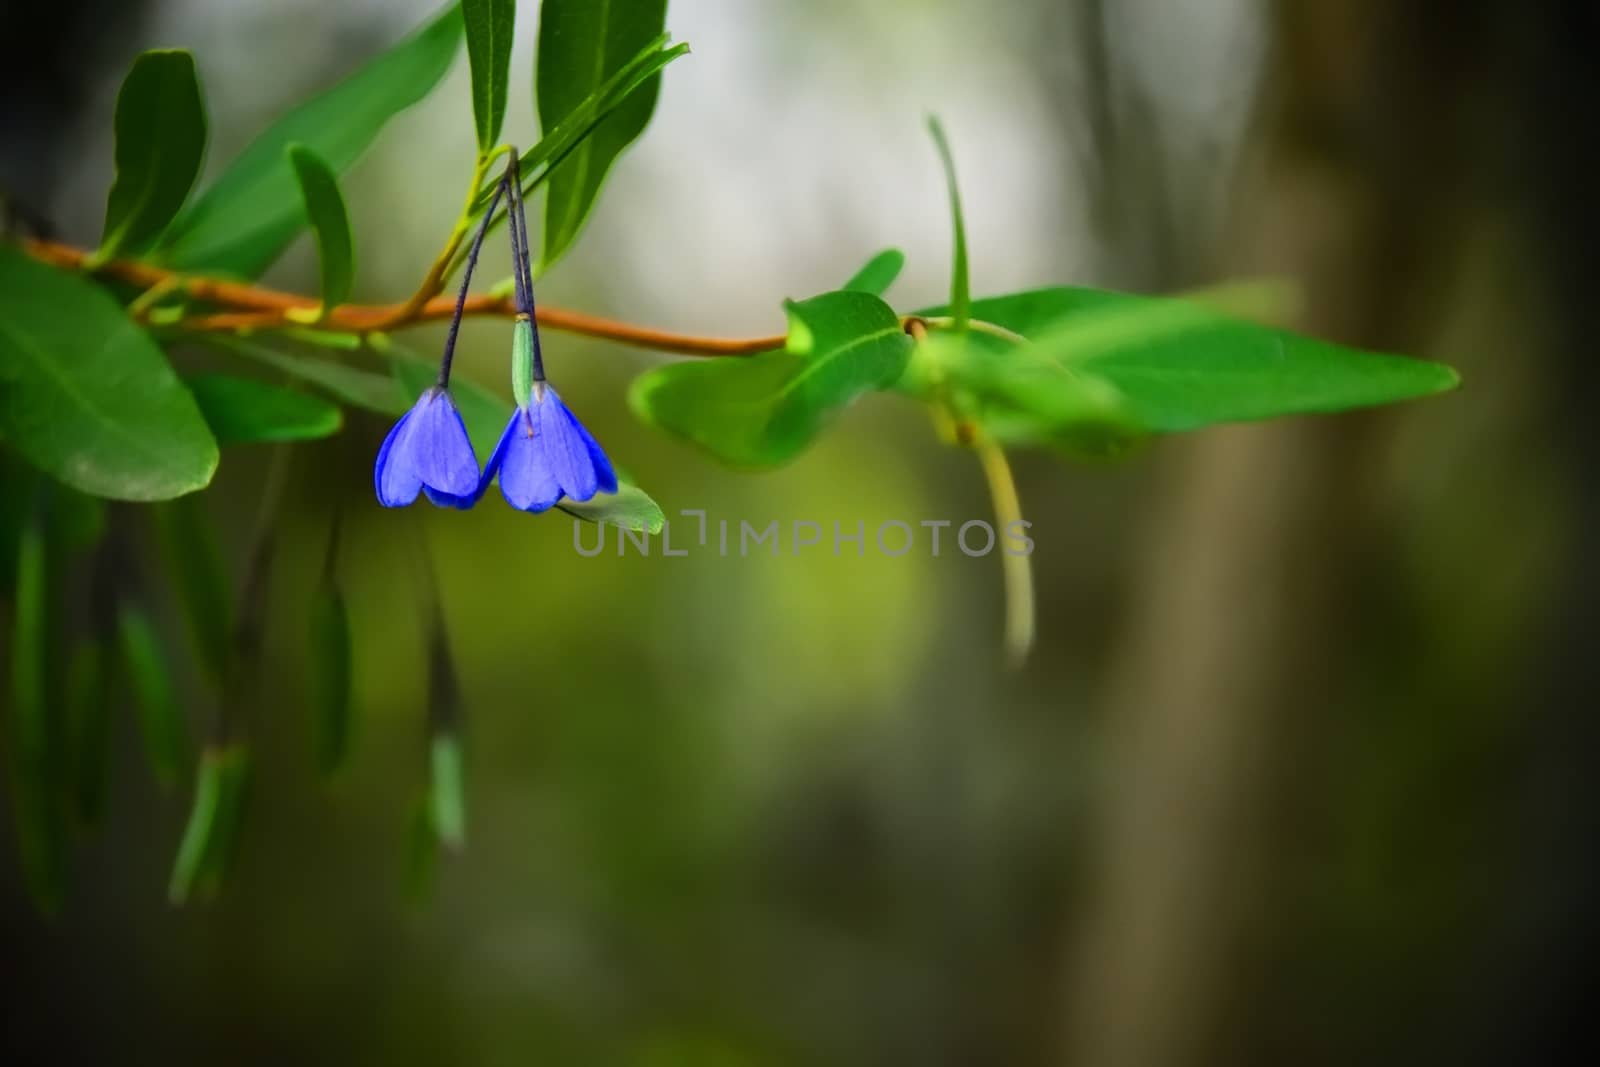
[1381, 154]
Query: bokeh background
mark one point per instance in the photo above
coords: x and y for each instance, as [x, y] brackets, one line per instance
[1299, 771]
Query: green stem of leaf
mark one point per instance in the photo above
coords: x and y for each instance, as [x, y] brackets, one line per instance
[1018, 568]
[993, 329]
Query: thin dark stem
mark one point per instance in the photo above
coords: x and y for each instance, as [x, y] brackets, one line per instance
[519, 216]
[466, 282]
[519, 222]
[511, 181]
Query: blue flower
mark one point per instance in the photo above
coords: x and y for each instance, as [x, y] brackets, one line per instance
[428, 451]
[546, 454]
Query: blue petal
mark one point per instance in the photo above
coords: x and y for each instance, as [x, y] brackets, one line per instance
[605, 476]
[445, 500]
[438, 447]
[428, 449]
[574, 457]
[397, 484]
[565, 453]
[544, 454]
[526, 480]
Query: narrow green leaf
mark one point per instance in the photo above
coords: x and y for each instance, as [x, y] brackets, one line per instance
[1269, 301]
[583, 43]
[338, 340]
[244, 411]
[447, 804]
[202, 585]
[241, 223]
[88, 717]
[198, 831]
[1028, 313]
[41, 822]
[764, 410]
[1028, 403]
[490, 25]
[1181, 365]
[328, 687]
[629, 508]
[330, 223]
[960, 288]
[360, 388]
[1105, 366]
[557, 146]
[161, 721]
[87, 396]
[209, 837]
[879, 273]
[161, 139]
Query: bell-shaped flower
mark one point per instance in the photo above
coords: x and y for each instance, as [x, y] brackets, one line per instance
[428, 451]
[546, 454]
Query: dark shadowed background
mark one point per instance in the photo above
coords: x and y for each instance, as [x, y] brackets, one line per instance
[1299, 770]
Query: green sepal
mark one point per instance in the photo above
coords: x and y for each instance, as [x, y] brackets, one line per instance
[522, 362]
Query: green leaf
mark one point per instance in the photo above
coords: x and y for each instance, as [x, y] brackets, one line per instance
[330, 223]
[1181, 365]
[243, 411]
[339, 340]
[41, 820]
[447, 804]
[1020, 403]
[360, 388]
[241, 223]
[582, 43]
[960, 289]
[210, 835]
[559, 144]
[484, 413]
[87, 396]
[764, 410]
[490, 25]
[1105, 366]
[879, 273]
[1030, 312]
[328, 685]
[161, 139]
[629, 508]
[161, 720]
[202, 584]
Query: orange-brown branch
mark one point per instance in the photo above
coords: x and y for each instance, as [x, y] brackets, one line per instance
[254, 307]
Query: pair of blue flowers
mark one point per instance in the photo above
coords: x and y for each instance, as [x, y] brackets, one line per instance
[545, 453]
